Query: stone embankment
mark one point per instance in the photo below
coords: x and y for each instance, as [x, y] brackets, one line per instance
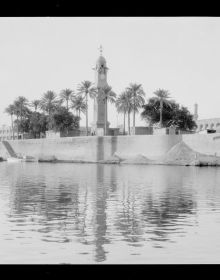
[195, 150]
[180, 154]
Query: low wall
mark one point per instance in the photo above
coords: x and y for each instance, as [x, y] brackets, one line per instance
[93, 148]
[150, 146]
[142, 130]
[208, 144]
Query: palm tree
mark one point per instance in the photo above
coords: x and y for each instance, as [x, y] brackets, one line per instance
[35, 103]
[78, 104]
[162, 95]
[16, 105]
[65, 95]
[107, 95]
[48, 103]
[129, 108]
[84, 89]
[21, 102]
[122, 105]
[137, 94]
[11, 111]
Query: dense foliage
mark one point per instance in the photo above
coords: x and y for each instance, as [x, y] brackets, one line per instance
[63, 120]
[130, 100]
[172, 114]
[61, 112]
[52, 116]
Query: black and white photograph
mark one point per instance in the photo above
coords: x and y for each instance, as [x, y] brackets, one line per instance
[110, 140]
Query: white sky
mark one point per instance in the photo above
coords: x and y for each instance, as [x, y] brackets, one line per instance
[181, 55]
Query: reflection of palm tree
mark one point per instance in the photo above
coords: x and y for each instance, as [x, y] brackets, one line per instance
[59, 206]
[164, 213]
[128, 221]
[83, 220]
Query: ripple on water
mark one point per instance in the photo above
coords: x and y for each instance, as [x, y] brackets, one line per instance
[155, 211]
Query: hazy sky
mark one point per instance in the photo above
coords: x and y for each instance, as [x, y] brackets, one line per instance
[181, 55]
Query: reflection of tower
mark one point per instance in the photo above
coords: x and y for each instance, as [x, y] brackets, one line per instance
[99, 103]
[195, 116]
[100, 216]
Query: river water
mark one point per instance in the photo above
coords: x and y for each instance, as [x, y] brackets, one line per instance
[95, 213]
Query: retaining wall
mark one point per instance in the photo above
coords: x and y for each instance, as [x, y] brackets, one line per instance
[93, 149]
[208, 144]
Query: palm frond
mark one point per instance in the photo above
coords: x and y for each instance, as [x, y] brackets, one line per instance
[108, 94]
[162, 94]
[65, 94]
[83, 87]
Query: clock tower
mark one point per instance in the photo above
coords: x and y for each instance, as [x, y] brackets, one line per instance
[100, 69]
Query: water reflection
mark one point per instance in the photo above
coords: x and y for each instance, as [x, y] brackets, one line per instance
[100, 206]
[100, 215]
[165, 211]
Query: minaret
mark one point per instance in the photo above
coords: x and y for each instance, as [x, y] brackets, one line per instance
[195, 116]
[101, 69]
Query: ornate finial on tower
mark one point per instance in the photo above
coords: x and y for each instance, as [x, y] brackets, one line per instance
[100, 49]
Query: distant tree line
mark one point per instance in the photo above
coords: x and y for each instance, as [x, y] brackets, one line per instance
[49, 112]
[62, 112]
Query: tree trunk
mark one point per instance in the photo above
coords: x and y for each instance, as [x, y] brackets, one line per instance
[67, 130]
[128, 123]
[134, 115]
[86, 114]
[21, 123]
[79, 117]
[12, 126]
[134, 122]
[161, 111]
[124, 124]
[67, 105]
[49, 121]
[22, 133]
[17, 129]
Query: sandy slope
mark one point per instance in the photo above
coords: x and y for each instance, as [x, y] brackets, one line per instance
[182, 154]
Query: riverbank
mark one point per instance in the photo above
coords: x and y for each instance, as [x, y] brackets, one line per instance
[197, 150]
